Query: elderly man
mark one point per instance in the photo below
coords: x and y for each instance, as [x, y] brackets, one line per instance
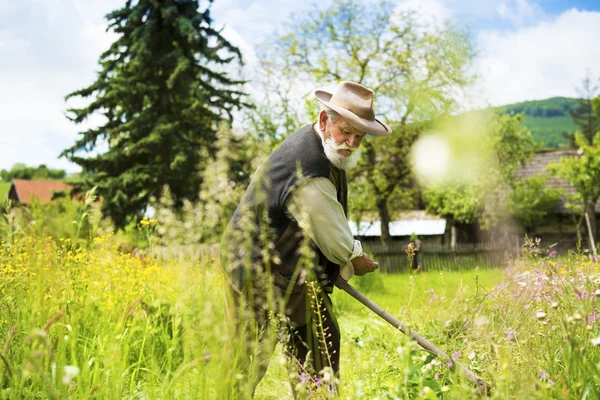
[299, 198]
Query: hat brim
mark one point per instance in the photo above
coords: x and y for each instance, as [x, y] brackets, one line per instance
[375, 127]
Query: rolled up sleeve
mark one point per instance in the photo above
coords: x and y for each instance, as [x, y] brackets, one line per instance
[314, 205]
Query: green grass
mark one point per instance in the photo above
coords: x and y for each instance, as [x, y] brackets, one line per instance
[4, 188]
[140, 326]
[408, 298]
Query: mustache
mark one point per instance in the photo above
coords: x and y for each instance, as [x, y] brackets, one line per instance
[342, 146]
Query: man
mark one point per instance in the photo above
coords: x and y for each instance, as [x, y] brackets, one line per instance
[299, 197]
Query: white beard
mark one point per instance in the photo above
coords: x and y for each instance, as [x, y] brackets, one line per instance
[338, 160]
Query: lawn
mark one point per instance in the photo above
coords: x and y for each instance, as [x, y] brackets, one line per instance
[423, 300]
[85, 320]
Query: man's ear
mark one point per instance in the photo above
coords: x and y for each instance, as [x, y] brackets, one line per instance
[322, 120]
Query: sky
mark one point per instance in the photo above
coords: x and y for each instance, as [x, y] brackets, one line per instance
[527, 49]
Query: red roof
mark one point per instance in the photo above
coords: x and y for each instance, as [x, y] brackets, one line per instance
[25, 190]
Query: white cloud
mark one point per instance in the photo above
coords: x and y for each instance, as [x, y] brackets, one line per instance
[428, 11]
[51, 51]
[540, 61]
[519, 11]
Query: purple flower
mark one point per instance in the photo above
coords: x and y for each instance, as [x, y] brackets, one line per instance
[509, 334]
[552, 253]
[543, 375]
[303, 378]
[436, 377]
[582, 295]
[455, 355]
[433, 298]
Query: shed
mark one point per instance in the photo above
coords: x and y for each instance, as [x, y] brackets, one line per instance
[407, 223]
[537, 166]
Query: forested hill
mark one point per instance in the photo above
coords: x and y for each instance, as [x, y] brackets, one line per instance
[547, 119]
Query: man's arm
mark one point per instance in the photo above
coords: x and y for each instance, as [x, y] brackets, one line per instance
[314, 205]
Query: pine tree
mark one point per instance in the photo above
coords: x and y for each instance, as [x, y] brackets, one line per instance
[163, 91]
[584, 116]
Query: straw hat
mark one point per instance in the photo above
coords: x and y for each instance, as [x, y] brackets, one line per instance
[354, 103]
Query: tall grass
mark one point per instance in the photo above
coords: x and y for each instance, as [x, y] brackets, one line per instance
[79, 322]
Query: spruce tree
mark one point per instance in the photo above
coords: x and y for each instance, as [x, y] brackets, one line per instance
[583, 115]
[163, 91]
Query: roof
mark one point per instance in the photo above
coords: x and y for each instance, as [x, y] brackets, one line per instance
[416, 222]
[537, 166]
[25, 190]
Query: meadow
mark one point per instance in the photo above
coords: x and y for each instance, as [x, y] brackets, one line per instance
[91, 321]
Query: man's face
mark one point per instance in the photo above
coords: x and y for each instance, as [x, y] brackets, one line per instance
[340, 142]
[345, 136]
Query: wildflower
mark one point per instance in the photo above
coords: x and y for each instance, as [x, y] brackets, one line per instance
[436, 377]
[552, 253]
[433, 298]
[70, 372]
[540, 315]
[510, 333]
[471, 355]
[596, 341]
[455, 355]
[543, 375]
[554, 304]
[582, 295]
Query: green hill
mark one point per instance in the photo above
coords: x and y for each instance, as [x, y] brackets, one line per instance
[547, 119]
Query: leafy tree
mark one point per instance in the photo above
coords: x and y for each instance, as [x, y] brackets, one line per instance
[530, 200]
[506, 146]
[414, 71]
[163, 90]
[22, 171]
[584, 116]
[583, 173]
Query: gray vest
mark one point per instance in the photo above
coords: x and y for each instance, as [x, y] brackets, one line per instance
[265, 200]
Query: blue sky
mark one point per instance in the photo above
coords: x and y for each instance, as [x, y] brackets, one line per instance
[528, 49]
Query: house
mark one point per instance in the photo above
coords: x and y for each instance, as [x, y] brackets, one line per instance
[405, 224]
[562, 225]
[23, 191]
[537, 166]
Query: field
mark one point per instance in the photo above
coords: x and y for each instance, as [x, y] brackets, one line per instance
[89, 321]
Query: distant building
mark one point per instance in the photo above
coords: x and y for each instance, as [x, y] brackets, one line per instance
[537, 166]
[23, 191]
[406, 223]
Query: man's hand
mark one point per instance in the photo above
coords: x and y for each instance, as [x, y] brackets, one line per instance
[363, 265]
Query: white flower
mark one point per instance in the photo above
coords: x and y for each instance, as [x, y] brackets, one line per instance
[596, 341]
[471, 355]
[70, 372]
[540, 315]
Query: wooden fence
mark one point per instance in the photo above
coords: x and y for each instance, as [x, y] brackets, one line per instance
[435, 257]
[392, 258]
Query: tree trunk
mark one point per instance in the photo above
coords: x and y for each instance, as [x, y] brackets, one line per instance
[453, 236]
[384, 217]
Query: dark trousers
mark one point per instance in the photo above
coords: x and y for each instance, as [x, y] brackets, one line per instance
[311, 347]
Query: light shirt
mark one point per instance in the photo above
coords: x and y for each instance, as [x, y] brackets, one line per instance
[314, 205]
